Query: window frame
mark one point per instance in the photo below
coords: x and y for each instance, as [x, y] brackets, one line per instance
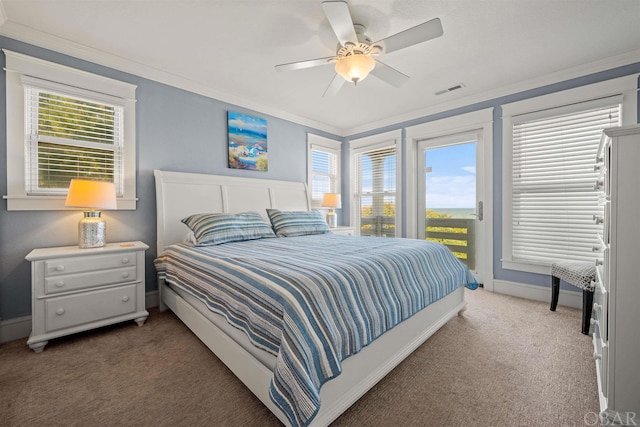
[19, 66]
[333, 148]
[626, 87]
[374, 142]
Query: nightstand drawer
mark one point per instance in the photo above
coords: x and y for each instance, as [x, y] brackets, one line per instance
[70, 282]
[75, 310]
[56, 267]
[344, 231]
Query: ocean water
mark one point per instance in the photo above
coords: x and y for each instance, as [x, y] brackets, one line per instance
[456, 212]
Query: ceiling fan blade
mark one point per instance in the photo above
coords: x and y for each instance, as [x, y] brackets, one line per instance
[337, 13]
[418, 34]
[334, 86]
[389, 74]
[304, 64]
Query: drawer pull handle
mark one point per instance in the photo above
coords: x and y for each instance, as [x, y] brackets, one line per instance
[59, 284]
[596, 355]
[60, 311]
[125, 298]
[125, 260]
[125, 274]
[60, 267]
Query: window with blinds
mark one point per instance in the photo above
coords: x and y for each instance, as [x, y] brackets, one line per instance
[71, 137]
[323, 167]
[553, 199]
[66, 123]
[324, 173]
[375, 191]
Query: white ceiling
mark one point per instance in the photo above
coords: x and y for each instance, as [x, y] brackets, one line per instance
[227, 49]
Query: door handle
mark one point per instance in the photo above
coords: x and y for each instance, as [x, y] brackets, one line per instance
[480, 210]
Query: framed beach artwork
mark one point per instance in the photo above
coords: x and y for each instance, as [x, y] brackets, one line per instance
[247, 142]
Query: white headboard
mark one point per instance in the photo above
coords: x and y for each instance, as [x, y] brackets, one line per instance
[180, 194]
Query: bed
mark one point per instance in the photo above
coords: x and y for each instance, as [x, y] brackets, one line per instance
[308, 381]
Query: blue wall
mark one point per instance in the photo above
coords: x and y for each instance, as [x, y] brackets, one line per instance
[175, 130]
[183, 131]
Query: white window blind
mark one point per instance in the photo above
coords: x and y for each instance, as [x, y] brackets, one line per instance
[324, 173]
[375, 190]
[553, 200]
[71, 134]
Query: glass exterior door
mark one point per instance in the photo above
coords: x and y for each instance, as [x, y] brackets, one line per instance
[448, 195]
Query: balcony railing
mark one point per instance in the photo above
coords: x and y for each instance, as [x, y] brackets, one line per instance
[458, 234]
[378, 226]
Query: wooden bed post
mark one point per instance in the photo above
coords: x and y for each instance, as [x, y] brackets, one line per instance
[162, 306]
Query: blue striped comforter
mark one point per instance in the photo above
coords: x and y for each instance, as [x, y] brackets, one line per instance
[313, 301]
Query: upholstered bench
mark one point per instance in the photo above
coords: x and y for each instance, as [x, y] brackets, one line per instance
[580, 274]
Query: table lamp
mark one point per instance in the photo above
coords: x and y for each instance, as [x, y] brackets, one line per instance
[92, 195]
[332, 201]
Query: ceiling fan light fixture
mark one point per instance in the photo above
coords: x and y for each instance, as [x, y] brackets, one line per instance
[355, 53]
[356, 67]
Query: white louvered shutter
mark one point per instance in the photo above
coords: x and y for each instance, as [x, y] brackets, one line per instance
[375, 191]
[553, 195]
[71, 133]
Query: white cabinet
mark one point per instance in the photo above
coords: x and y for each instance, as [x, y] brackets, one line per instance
[77, 289]
[616, 307]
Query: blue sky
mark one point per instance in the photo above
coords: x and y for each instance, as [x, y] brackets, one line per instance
[452, 180]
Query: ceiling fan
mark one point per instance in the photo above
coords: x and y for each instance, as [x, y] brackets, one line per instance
[356, 55]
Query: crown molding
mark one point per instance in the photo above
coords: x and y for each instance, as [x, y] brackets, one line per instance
[548, 79]
[77, 50]
[3, 14]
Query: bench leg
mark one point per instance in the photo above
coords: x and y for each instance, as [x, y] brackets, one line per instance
[587, 307]
[555, 291]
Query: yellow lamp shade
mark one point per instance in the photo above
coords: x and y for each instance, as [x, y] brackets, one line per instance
[331, 200]
[91, 194]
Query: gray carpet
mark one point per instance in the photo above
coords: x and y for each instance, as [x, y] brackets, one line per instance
[505, 362]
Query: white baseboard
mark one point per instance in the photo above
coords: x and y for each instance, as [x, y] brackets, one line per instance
[20, 327]
[538, 293]
[15, 329]
[151, 299]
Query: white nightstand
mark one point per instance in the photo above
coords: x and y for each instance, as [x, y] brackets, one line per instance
[345, 231]
[75, 289]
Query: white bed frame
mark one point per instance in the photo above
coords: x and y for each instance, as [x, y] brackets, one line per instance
[181, 194]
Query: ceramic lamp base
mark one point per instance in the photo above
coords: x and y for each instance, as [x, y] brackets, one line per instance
[332, 219]
[92, 231]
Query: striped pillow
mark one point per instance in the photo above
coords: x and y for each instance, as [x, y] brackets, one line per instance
[300, 223]
[218, 228]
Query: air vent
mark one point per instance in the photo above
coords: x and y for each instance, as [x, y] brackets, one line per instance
[450, 89]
